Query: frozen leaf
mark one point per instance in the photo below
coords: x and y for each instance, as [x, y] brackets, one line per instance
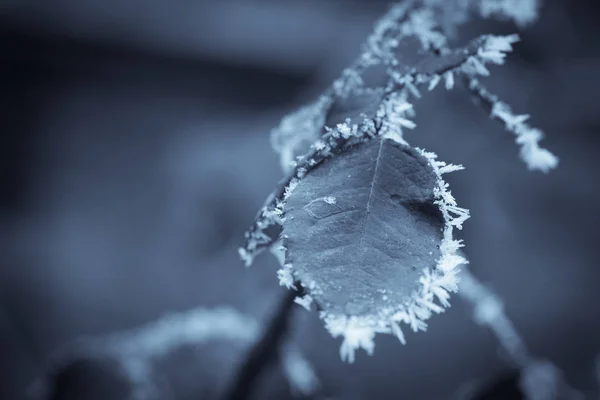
[382, 231]
[382, 253]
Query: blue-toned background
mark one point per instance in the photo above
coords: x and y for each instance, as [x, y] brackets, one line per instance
[135, 152]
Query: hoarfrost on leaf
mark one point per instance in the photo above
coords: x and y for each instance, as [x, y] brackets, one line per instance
[522, 12]
[392, 233]
[286, 277]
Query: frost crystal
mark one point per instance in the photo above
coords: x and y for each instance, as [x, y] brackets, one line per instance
[358, 333]
[304, 301]
[392, 117]
[449, 80]
[329, 200]
[286, 277]
[522, 12]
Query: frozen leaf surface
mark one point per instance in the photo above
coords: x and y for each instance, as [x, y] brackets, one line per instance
[368, 233]
[366, 250]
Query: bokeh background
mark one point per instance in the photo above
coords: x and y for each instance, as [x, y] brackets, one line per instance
[135, 152]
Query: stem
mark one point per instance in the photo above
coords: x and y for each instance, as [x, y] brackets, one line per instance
[265, 351]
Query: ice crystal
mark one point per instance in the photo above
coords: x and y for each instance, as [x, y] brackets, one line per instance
[522, 12]
[304, 301]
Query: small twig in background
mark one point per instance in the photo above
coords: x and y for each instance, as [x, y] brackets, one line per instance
[266, 349]
[540, 379]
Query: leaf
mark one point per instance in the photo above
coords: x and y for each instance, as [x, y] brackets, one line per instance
[364, 250]
[368, 234]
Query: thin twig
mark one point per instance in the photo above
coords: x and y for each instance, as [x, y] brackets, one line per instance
[265, 351]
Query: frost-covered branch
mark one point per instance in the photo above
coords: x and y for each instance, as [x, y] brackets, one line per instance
[527, 137]
[540, 379]
[410, 49]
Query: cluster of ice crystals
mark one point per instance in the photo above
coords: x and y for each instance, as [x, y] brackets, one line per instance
[423, 25]
[357, 332]
[522, 12]
[286, 276]
[536, 157]
[330, 200]
[304, 301]
[492, 51]
[345, 130]
[392, 117]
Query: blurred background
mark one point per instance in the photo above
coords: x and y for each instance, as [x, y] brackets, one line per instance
[135, 152]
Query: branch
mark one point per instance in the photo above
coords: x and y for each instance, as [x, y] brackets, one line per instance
[527, 137]
[540, 379]
[265, 350]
